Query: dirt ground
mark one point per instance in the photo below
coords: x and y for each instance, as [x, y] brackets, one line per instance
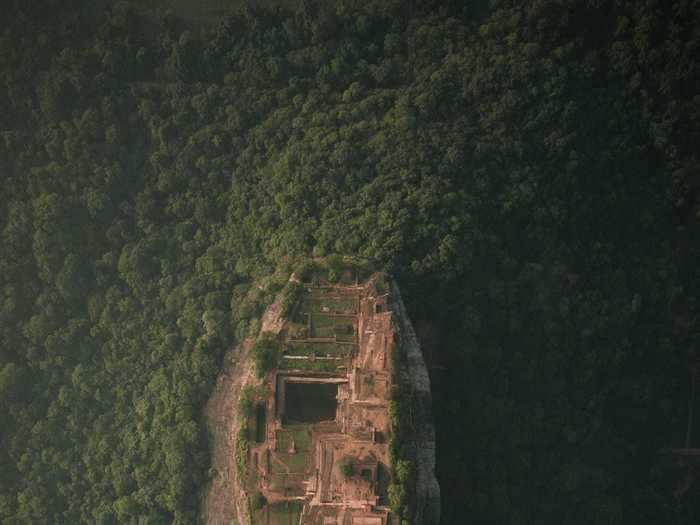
[222, 505]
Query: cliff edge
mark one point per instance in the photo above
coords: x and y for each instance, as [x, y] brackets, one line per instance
[413, 375]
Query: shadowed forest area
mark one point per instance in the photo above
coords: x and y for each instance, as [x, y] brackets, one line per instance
[528, 172]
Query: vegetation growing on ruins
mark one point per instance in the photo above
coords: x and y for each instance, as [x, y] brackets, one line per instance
[245, 401]
[258, 501]
[345, 467]
[241, 450]
[290, 297]
[266, 352]
[400, 443]
[524, 169]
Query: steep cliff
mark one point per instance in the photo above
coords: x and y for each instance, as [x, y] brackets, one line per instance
[414, 378]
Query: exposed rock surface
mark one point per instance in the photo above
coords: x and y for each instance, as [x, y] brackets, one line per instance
[225, 501]
[413, 375]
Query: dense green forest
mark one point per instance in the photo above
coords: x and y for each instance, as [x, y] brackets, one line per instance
[528, 171]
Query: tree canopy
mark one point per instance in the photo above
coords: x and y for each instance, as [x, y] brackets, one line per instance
[526, 170]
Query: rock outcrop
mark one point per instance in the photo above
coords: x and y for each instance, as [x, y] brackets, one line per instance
[413, 375]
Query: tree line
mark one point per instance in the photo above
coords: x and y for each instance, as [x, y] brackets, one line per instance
[525, 170]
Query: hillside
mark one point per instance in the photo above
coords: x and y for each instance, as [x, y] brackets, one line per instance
[323, 418]
[527, 171]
